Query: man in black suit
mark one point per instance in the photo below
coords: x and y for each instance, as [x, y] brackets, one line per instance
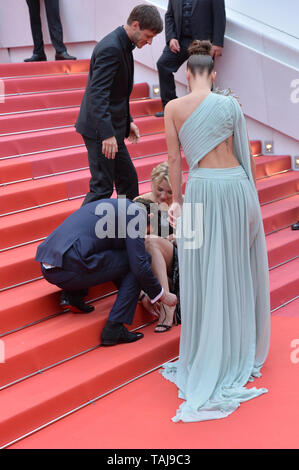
[55, 29]
[186, 20]
[104, 119]
[100, 242]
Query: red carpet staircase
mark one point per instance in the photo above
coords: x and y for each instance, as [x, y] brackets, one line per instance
[53, 362]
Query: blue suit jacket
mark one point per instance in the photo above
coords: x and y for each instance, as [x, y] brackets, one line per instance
[83, 242]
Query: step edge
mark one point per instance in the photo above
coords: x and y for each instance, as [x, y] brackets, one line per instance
[83, 405]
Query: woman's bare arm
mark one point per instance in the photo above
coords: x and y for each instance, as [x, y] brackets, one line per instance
[174, 154]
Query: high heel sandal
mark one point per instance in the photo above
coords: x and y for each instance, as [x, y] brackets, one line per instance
[165, 327]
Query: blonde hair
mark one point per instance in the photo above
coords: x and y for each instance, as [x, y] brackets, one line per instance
[160, 173]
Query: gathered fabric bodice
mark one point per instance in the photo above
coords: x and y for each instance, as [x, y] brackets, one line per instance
[214, 120]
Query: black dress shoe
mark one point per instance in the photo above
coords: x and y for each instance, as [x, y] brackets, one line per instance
[75, 303]
[117, 333]
[36, 58]
[64, 56]
[160, 114]
[295, 226]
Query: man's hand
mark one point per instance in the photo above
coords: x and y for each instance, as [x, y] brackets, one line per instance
[216, 51]
[154, 309]
[110, 147]
[174, 46]
[134, 133]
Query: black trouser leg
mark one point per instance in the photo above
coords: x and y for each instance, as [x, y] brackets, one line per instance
[36, 26]
[124, 307]
[126, 179]
[105, 171]
[101, 170]
[55, 26]
[115, 267]
[167, 65]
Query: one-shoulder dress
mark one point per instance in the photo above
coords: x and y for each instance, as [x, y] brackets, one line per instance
[224, 276]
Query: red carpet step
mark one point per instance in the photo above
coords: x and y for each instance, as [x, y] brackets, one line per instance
[36, 301]
[280, 214]
[278, 186]
[66, 98]
[100, 426]
[47, 162]
[56, 339]
[43, 68]
[39, 399]
[45, 83]
[55, 188]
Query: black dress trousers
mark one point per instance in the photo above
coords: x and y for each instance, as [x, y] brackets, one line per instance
[167, 65]
[54, 24]
[116, 270]
[104, 172]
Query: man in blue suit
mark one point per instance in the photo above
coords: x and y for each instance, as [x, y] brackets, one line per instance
[104, 241]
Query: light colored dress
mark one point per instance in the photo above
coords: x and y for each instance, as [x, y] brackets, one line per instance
[224, 281]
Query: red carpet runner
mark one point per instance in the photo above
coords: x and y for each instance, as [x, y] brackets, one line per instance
[43, 177]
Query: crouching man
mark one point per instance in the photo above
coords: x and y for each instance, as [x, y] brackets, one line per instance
[100, 242]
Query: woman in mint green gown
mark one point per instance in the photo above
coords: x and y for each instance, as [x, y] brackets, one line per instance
[224, 277]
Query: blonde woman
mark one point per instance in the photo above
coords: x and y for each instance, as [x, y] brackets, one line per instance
[161, 190]
[162, 248]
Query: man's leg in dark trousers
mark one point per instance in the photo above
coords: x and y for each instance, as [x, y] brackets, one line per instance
[167, 65]
[125, 304]
[54, 24]
[116, 269]
[36, 26]
[126, 179]
[105, 171]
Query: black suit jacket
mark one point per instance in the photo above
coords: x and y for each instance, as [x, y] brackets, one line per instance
[87, 239]
[104, 110]
[208, 20]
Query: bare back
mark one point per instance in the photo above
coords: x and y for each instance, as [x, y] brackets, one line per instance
[222, 155]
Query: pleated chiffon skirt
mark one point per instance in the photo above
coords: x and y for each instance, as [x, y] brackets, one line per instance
[217, 356]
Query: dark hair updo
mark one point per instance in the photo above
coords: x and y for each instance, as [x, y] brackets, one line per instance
[200, 58]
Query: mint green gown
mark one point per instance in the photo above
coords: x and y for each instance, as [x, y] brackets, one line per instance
[224, 277]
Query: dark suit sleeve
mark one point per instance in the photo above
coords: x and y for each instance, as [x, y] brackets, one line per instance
[170, 29]
[139, 261]
[219, 16]
[105, 67]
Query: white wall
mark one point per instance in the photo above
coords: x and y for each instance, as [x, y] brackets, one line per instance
[279, 14]
[260, 60]
[84, 22]
[78, 20]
